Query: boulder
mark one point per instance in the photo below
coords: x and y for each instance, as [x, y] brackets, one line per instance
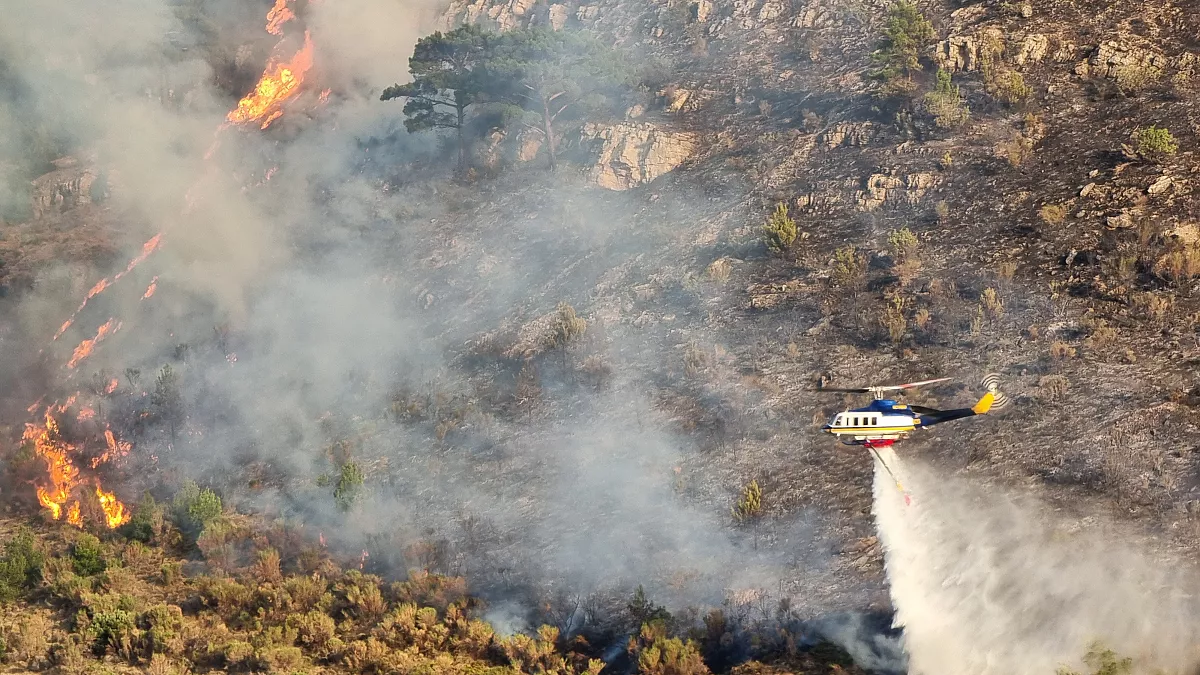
[558, 16]
[632, 154]
[1031, 49]
[1113, 56]
[967, 52]
[66, 187]
[883, 189]
[847, 134]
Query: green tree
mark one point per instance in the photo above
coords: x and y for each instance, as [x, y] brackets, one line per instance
[547, 73]
[167, 399]
[349, 486]
[780, 229]
[21, 565]
[906, 33]
[946, 104]
[449, 76]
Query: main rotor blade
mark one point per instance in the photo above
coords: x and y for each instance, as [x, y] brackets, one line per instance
[910, 385]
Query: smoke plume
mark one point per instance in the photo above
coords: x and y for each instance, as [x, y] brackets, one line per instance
[307, 273]
[987, 582]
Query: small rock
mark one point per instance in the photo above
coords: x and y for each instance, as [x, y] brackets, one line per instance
[1121, 220]
[1087, 189]
[1159, 186]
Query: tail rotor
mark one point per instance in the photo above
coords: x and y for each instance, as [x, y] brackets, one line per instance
[992, 382]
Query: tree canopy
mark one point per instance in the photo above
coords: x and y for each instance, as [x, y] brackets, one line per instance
[449, 76]
[534, 75]
[546, 73]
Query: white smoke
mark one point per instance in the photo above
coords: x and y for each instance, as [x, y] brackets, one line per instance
[985, 582]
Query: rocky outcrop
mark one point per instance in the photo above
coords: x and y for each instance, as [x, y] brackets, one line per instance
[967, 52]
[847, 134]
[890, 189]
[1118, 59]
[68, 186]
[504, 15]
[558, 16]
[632, 154]
[1031, 49]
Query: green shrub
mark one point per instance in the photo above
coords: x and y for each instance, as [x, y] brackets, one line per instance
[194, 508]
[946, 104]
[21, 565]
[903, 243]
[1009, 87]
[146, 521]
[1155, 142]
[162, 624]
[115, 629]
[780, 229]
[349, 486]
[87, 556]
[906, 33]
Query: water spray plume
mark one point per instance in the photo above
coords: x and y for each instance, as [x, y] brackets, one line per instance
[989, 583]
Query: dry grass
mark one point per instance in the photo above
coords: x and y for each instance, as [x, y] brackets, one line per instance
[1053, 214]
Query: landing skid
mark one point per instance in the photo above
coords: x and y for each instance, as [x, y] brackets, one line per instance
[874, 448]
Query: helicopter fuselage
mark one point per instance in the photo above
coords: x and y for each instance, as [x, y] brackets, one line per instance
[881, 423]
[885, 421]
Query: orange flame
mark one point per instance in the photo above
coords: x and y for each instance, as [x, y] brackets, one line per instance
[85, 348]
[86, 414]
[324, 97]
[73, 515]
[112, 386]
[147, 248]
[279, 82]
[279, 15]
[115, 449]
[64, 475]
[151, 288]
[115, 514]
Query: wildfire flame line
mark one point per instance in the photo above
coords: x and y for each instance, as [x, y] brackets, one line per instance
[281, 80]
[85, 348]
[279, 15]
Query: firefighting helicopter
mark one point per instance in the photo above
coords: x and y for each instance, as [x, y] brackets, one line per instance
[886, 421]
